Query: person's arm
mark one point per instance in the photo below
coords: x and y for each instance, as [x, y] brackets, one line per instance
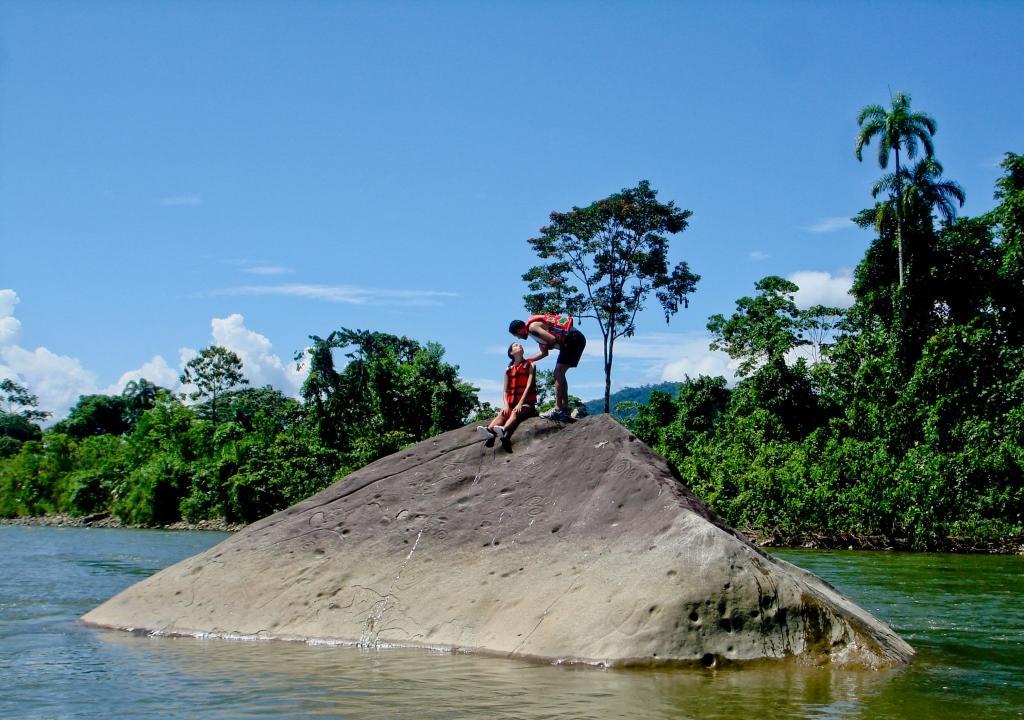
[504, 394]
[545, 340]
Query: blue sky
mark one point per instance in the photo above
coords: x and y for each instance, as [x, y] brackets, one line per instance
[174, 174]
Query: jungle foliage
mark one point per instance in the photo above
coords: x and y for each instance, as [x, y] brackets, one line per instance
[906, 429]
[237, 453]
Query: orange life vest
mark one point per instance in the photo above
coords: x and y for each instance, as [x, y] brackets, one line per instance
[518, 377]
[557, 325]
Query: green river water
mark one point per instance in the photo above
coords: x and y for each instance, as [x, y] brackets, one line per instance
[963, 614]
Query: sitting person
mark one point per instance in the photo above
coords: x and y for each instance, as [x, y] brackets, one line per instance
[520, 392]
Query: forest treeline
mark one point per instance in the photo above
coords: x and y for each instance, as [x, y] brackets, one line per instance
[896, 422]
[235, 453]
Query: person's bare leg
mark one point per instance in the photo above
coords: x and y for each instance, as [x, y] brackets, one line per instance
[561, 387]
[500, 419]
[518, 417]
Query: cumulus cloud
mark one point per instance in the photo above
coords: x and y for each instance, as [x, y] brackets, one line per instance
[259, 362]
[344, 294]
[831, 224]
[156, 371]
[823, 288]
[672, 357]
[57, 380]
[10, 326]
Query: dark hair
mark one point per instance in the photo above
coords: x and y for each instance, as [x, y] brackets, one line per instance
[515, 326]
[511, 360]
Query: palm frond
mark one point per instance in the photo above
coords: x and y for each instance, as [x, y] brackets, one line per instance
[884, 147]
[926, 140]
[875, 113]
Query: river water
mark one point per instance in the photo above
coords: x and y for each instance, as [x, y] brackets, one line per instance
[963, 614]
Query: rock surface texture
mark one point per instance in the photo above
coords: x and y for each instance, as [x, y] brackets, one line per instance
[580, 545]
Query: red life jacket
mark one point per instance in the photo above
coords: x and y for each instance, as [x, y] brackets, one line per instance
[557, 325]
[518, 377]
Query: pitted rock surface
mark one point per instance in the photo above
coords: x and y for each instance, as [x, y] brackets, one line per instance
[579, 545]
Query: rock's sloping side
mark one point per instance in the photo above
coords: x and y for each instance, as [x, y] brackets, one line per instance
[580, 545]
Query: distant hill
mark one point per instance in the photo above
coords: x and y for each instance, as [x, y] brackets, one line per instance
[634, 394]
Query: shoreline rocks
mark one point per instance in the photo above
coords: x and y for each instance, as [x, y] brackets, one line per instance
[105, 520]
[579, 546]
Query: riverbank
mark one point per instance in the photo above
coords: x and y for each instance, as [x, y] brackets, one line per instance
[850, 541]
[761, 538]
[103, 520]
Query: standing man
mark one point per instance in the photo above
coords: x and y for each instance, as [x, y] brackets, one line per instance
[554, 331]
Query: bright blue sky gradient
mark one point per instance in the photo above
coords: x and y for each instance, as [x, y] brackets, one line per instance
[165, 167]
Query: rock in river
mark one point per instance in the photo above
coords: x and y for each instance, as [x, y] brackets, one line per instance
[580, 545]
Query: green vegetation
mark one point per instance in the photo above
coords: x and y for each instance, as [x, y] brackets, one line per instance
[897, 423]
[238, 454]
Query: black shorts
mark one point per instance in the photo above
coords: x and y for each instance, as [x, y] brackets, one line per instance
[571, 349]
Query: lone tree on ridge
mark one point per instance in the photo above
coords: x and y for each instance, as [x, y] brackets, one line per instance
[603, 260]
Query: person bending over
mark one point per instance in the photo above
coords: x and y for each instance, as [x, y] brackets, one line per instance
[554, 331]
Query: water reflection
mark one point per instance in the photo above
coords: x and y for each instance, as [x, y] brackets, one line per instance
[961, 613]
[250, 679]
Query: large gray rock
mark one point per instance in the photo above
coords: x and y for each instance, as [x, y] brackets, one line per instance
[580, 545]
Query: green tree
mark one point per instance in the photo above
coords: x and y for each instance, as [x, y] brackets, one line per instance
[140, 395]
[213, 372]
[1009, 219]
[603, 260]
[924, 192]
[763, 329]
[96, 415]
[391, 392]
[19, 401]
[897, 129]
[922, 188]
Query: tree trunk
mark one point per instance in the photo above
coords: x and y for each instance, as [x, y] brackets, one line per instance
[899, 216]
[608, 375]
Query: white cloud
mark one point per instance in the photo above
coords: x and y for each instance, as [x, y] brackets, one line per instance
[10, 326]
[156, 371]
[823, 288]
[831, 225]
[344, 294]
[259, 362]
[190, 200]
[672, 357]
[758, 255]
[57, 380]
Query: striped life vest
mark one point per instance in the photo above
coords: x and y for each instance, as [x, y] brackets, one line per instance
[518, 377]
[557, 325]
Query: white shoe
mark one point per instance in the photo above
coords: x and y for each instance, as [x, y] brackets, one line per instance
[499, 431]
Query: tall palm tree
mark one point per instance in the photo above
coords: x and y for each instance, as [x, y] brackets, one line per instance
[923, 187]
[897, 129]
